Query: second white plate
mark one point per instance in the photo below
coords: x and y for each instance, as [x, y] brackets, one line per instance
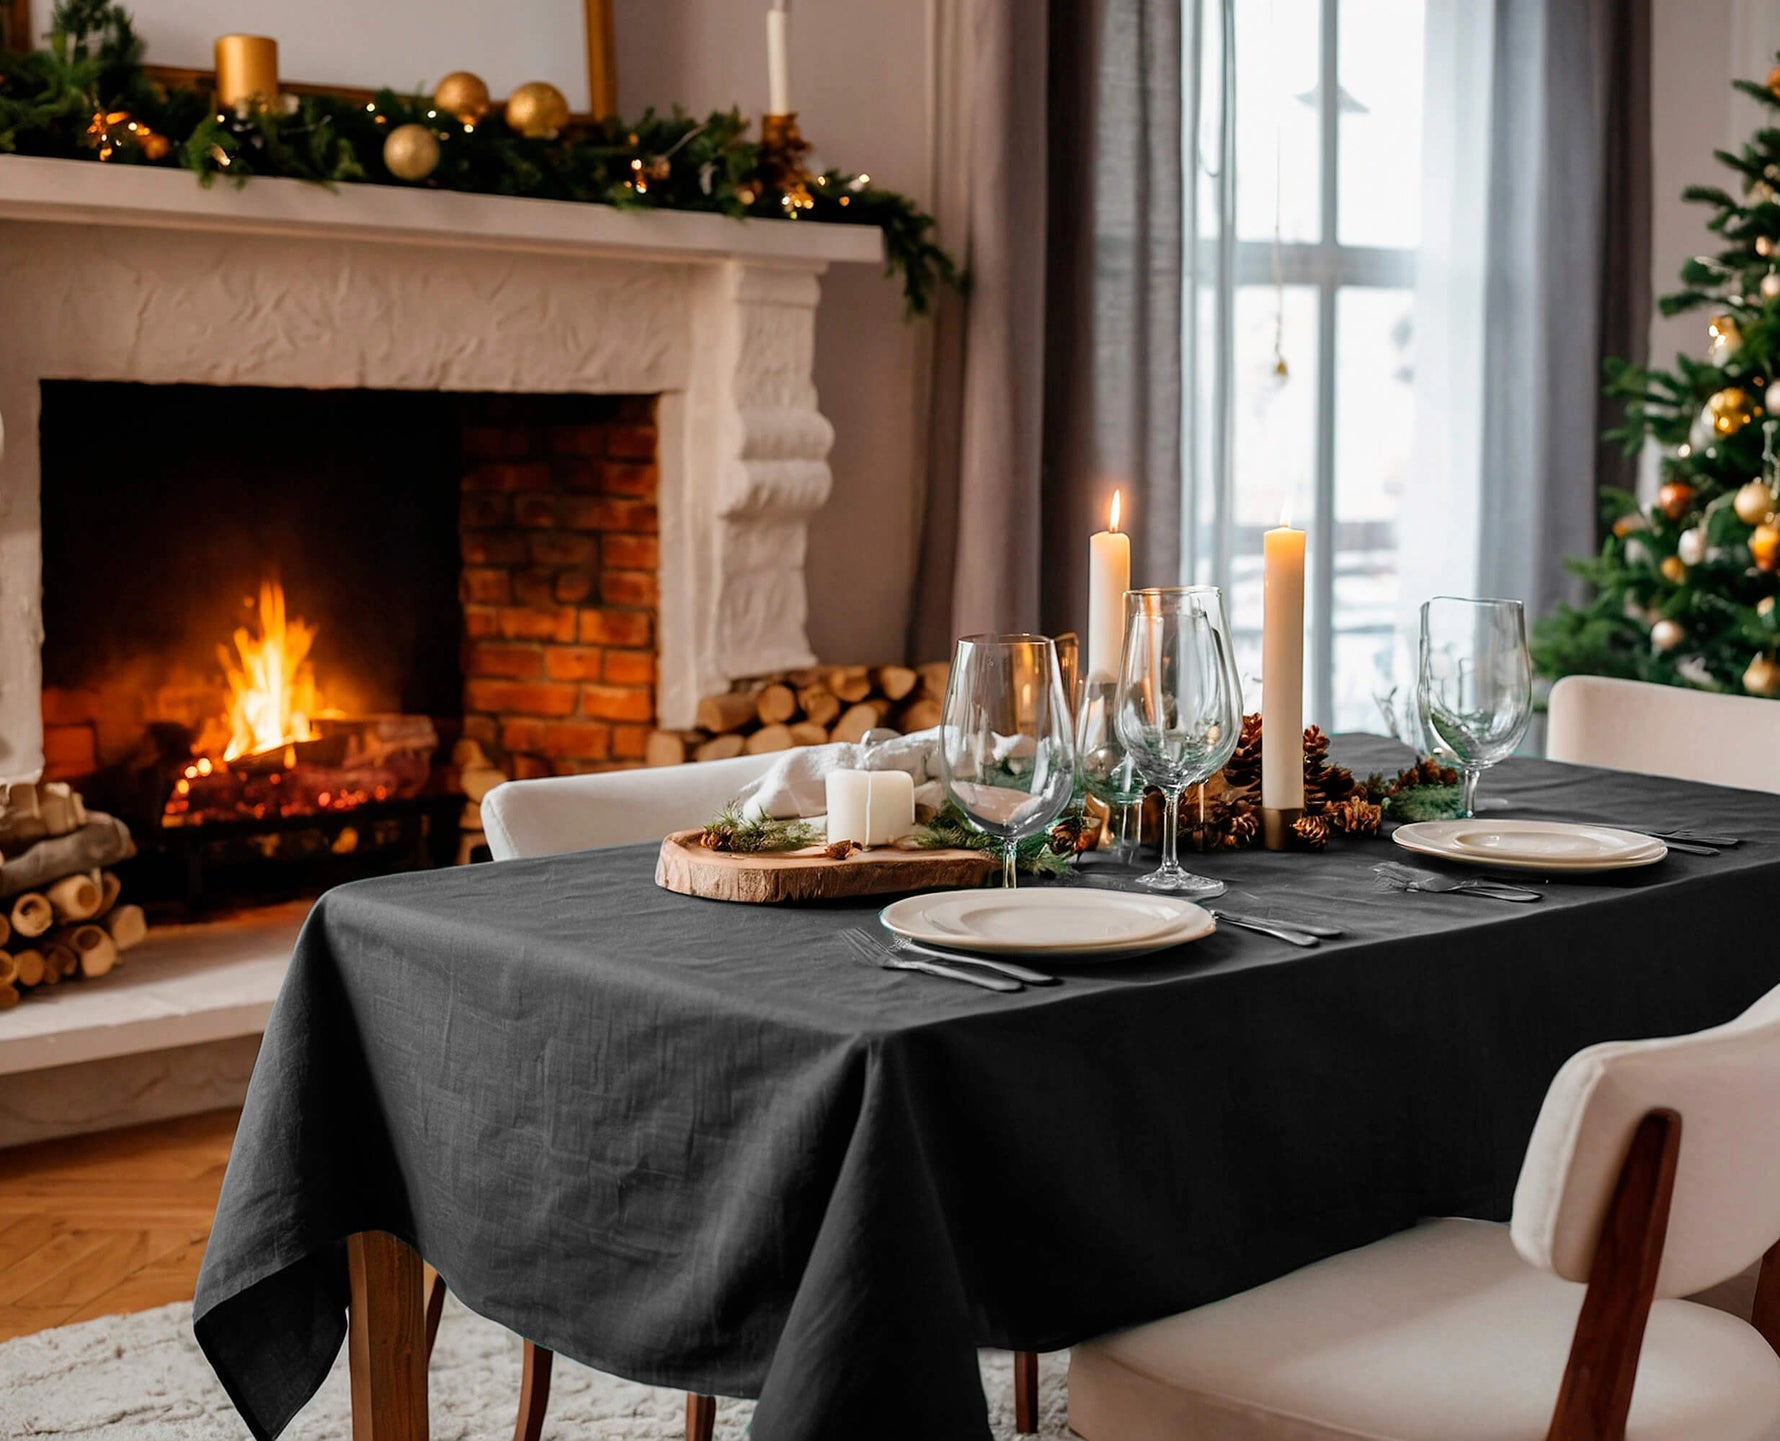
[1076, 921]
[1551, 846]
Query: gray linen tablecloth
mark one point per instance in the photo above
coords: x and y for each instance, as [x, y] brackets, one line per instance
[694, 1144]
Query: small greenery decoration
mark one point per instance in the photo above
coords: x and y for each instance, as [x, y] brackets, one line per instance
[949, 830]
[753, 835]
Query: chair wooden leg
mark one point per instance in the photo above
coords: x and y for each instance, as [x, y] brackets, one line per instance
[534, 1393]
[1026, 1392]
[701, 1417]
[386, 1345]
[435, 1309]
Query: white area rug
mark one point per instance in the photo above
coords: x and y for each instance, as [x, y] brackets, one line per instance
[143, 1378]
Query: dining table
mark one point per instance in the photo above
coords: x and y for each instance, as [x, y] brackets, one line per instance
[700, 1145]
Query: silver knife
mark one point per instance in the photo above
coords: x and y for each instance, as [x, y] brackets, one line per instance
[1327, 933]
[1279, 933]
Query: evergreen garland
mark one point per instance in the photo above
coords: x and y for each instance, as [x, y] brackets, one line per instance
[56, 102]
[1701, 611]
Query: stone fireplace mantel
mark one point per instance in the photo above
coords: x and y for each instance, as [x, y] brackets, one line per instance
[130, 274]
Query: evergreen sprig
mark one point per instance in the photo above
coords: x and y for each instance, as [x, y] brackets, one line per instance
[92, 66]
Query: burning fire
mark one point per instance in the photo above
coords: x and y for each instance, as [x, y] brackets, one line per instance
[271, 682]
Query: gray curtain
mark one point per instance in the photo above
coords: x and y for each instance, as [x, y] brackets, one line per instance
[1059, 377]
[1568, 281]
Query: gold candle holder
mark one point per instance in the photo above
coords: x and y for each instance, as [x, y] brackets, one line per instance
[246, 70]
[782, 151]
[1276, 826]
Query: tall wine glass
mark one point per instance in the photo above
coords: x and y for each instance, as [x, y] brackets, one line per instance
[1179, 706]
[1475, 687]
[1006, 753]
[1105, 766]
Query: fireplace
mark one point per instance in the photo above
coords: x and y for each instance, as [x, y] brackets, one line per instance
[271, 615]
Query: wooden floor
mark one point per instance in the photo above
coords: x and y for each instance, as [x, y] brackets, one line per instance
[98, 1225]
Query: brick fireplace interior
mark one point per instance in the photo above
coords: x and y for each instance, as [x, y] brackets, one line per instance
[485, 563]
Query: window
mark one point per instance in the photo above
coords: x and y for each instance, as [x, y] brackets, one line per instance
[1306, 213]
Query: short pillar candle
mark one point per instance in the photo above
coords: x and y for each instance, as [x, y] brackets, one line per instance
[246, 69]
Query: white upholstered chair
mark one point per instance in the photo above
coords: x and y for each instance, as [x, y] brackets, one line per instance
[1665, 730]
[555, 814]
[1653, 1171]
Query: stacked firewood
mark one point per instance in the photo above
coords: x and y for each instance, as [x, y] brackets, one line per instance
[59, 911]
[806, 708]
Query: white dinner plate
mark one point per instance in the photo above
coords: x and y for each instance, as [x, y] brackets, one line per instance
[1077, 921]
[1551, 846]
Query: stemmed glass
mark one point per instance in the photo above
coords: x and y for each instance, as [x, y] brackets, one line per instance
[1006, 753]
[1179, 706]
[1475, 687]
[1106, 767]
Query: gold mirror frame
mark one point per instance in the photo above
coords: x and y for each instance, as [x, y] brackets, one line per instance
[602, 61]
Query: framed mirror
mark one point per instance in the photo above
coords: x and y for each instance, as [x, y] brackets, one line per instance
[344, 47]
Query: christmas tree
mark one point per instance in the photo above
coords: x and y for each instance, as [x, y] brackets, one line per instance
[1685, 588]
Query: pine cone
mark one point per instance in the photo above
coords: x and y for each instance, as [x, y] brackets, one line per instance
[1245, 827]
[840, 850]
[1316, 747]
[1312, 830]
[717, 838]
[1357, 816]
[1243, 770]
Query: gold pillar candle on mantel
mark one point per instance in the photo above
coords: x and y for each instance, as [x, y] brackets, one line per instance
[246, 69]
[1282, 685]
[1109, 577]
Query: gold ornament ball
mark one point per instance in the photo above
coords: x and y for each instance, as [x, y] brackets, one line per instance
[1673, 569]
[1764, 545]
[1764, 245]
[1765, 606]
[1770, 285]
[411, 152]
[1753, 502]
[463, 95]
[537, 110]
[1674, 499]
[1726, 338]
[1730, 410]
[1763, 677]
[1667, 634]
[1774, 81]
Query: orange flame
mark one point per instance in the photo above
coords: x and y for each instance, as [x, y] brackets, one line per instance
[271, 683]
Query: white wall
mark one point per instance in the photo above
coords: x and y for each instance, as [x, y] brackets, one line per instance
[859, 76]
[1697, 48]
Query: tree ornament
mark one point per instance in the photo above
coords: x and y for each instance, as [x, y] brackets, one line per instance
[1753, 502]
[1764, 545]
[1770, 285]
[1726, 338]
[464, 95]
[1760, 193]
[1667, 634]
[1675, 499]
[411, 152]
[1691, 548]
[1773, 82]
[537, 110]
[1764, 246]
[1765, 606]
[1629, 524]
[1730, 410]
[1773, 396]
[1674, 569]
[1763, 677]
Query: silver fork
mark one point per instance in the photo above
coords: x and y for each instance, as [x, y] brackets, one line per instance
[1009, 969]
[1410, 878]
[874, 953]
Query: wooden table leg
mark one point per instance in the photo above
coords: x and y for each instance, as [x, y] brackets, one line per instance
[534, 1393]
[701, 1417]
[386, 1346]
[1026, 1392]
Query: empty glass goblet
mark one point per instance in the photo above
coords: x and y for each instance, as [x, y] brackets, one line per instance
[1475, 687]
[1006, 753]
[1179, 706]
[1105, 766]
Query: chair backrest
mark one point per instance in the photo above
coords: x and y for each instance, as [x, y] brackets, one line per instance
[554, 814]
[1666, 730]
[1725, 1083]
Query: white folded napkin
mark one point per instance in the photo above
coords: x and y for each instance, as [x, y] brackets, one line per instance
[797, 783]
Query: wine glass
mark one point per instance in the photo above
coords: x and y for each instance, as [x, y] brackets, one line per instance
[1105, 766]
[1475, 686]
[1179, 706]
[1006, 754]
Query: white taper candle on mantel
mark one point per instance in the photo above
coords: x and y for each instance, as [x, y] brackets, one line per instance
[1282, 683]
[1109, 577]
[778, 68]
[871, 808]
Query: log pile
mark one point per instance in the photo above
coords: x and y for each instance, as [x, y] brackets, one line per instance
[59, 902]
[806, 708]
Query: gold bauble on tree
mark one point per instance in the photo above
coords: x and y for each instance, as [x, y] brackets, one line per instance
[1764, 545]
[1674, 499]
[1730, 410]
[1726, 338]
[1770, 285]
[411, 152]
[1763, 677]
[1774, 82]
[464, 95]
[1753, 502]
[1674, 569]
[537, 110]
[1667, 634]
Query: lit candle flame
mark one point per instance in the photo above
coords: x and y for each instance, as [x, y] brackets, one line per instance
[1114, 523]
[1285, 513]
